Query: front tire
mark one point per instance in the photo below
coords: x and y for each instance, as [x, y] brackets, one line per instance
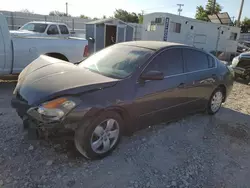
[98, 137]
[215, 101]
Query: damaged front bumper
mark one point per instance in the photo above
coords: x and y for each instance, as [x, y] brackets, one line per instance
[38, 126]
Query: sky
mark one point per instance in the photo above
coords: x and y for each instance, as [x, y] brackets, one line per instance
[98, 8]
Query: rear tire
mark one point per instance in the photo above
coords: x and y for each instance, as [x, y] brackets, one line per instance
[98, 137]
[215, 101]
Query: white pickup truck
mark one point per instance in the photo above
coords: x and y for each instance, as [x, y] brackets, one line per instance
[42, 29]
[17, 52]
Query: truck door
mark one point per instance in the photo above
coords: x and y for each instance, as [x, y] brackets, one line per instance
[2, 51]
[53, 31]
[64, 30]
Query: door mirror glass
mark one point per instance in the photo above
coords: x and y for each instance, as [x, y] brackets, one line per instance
[91, 39]
[152, 75]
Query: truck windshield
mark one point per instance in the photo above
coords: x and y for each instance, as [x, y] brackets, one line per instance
[35, 27]
[117, 61]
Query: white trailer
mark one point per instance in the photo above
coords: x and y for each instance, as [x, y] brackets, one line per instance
[208, 36]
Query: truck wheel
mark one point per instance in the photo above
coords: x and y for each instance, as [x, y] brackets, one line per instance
[100, 136]
[215, 101]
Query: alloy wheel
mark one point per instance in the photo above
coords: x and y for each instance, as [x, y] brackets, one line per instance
[216, 101]
[105, 136]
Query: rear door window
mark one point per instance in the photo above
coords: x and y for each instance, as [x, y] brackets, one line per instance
[53, 30]
[195, 60]
[169, 62]
[64, 30]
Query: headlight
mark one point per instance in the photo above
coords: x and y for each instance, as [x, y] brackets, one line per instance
[56, 109]
[235, 61]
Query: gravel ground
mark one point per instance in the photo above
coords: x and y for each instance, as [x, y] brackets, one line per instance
[196, 151]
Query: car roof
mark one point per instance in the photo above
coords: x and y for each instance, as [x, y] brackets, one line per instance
[153, 45]
[43, 22]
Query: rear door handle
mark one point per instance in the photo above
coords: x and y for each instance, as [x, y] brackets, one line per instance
[181, 85]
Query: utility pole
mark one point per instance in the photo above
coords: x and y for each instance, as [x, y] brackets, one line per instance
[180, 9]
[240, 12]
[66, 8]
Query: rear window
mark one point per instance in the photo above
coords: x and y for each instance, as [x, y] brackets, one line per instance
[211, 62]
[64, 30]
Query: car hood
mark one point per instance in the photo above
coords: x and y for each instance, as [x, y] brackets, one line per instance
[245, 54]
[47, 78]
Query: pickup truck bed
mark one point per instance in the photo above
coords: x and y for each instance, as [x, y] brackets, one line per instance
[17, 52]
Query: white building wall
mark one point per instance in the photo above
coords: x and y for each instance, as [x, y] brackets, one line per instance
[204, 35]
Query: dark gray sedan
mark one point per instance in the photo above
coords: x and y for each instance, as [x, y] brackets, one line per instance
[119, 89]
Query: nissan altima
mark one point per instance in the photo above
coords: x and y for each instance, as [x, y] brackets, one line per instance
[118, 90]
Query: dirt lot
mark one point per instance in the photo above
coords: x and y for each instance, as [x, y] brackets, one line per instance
[196, 151]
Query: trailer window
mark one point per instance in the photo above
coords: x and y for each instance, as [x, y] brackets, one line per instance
[158, 20]
[151, 27]
[233, 36]
[176, 27]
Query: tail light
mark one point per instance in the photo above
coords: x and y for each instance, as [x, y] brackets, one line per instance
[86, 51]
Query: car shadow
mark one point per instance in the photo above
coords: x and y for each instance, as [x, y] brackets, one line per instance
[232, 123]
[242, 81]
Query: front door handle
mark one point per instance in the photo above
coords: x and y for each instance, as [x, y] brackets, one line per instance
[181, 85]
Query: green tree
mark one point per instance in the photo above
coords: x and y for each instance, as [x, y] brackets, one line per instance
[140, 17]
[84, 17]
[104, 17]
[209, 7]
[27, 11]
[202, 13]
[57, 13]
[246, 22]
[245, 25]
[126, 16]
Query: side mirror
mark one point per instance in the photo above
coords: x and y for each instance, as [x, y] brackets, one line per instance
[91, 39]
[152, 75]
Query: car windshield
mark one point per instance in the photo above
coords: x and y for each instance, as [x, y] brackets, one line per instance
[35, 27]
[118, 61]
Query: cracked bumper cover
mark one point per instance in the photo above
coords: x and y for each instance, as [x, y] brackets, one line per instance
[33, 120]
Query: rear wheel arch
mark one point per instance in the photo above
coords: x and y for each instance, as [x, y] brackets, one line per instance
[57, 55]
[224, 90]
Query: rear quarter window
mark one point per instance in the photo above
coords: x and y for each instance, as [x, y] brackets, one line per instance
[195, 60]
[211, 62]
